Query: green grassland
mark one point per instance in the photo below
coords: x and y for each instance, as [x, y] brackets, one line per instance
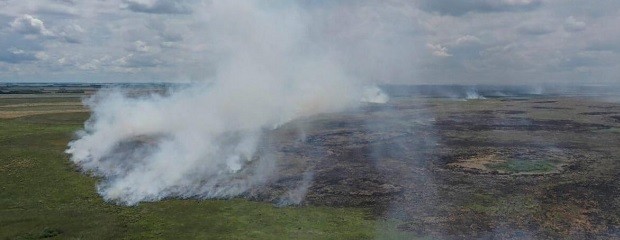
[42, 195]
[516, 166]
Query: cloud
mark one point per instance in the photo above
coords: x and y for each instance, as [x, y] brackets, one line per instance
[71, 33]
[573, 25]
[582, 61]
[137, 61]
[90, 65]
[606, 46]
[158, 6]
[31, 26]
[467, 40]
[438, 50]
[18, 48]
[139, 46]
[433, 37]
[27, 24]
[68, 2]
[461, 7]
[16, 55]
[535, 29]
[168, 34]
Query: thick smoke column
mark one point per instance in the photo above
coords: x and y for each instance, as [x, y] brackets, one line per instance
[273, 62]
[201, 141]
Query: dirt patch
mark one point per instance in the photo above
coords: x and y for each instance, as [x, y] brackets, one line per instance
[476, 163]
[514, 161]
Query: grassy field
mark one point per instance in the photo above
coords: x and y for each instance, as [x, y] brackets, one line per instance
[503, 169]
[523, 166]
[42, 195]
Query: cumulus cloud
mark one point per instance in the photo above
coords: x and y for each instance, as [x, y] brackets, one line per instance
[463, 35]
[460, 7]
[438, 50]
[27, 24]
[34, 27]
[158, 6]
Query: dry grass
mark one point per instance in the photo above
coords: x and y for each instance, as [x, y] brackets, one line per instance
[17, 114]
[31, 107]
[36, 104]
[477, 162]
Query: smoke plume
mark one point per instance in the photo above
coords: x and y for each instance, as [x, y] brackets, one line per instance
[272, 63]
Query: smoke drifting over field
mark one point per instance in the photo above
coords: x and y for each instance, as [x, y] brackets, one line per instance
[273, 63]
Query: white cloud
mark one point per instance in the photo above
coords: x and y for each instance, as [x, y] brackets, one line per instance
[467, 40]
[27, 24]
[438, 50]
[139, 46]
[41, 55]
[71, 33]
[573, 25]
[138, 61]
[491, 36]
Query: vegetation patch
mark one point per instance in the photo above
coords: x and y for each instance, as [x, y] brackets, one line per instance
[523, 166]
[40, 187]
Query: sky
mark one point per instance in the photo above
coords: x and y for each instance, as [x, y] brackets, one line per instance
[407, 42]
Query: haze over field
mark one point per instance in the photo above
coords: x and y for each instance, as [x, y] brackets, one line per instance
[256, 65]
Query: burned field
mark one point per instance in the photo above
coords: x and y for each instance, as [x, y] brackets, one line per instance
[504, 167]
[428, 167]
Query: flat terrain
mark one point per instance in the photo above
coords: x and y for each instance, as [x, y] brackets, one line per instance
[416, 167]
[42, 195]
[507, 167]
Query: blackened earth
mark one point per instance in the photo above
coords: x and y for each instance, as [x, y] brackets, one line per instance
[539, 167]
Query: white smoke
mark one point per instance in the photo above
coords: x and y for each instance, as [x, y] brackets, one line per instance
[296, 196]
[273, 63]
[472, 94]
[374, 94]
